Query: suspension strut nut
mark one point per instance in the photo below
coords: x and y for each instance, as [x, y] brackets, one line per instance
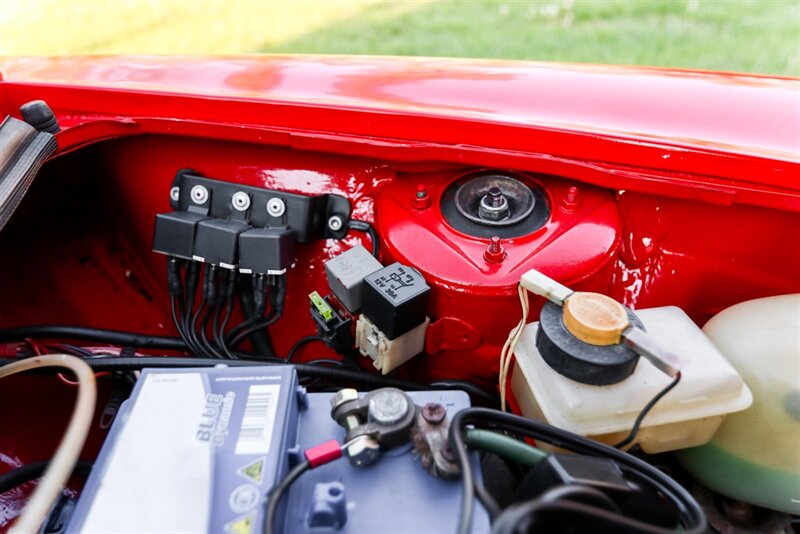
[495, 253]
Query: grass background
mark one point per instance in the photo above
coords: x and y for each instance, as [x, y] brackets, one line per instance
[760, 36]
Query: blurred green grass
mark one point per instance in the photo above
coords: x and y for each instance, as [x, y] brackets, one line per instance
[732, 35]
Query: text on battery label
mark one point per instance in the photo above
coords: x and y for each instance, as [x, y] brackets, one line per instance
[255, 433]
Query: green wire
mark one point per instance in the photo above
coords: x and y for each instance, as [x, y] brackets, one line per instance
[502, 445]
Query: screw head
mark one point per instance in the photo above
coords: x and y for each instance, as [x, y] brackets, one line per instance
[335, 223]
[240, 201]
[434, 413]
[175, 193]
[199, 194]
[276, 207]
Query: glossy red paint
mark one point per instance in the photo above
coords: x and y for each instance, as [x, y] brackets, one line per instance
[666, 187]
[718, 137]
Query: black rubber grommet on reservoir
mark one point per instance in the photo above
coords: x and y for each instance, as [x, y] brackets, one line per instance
[580, 361]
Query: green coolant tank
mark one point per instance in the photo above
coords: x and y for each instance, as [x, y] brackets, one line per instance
[755, 455]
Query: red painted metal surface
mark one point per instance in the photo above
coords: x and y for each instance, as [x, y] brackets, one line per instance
[687, 190]
[719, 137]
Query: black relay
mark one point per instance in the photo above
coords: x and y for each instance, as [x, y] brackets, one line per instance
[266, 250]
[174, 233]
[395, 299]
[217, 241]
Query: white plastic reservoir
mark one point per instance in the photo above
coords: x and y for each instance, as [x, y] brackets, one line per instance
[687, 416]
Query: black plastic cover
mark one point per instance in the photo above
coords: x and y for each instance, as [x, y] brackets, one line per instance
[174, 233]
[395, 299]
[634, 499]
[580, 361]
[217, 241]
[266, 250]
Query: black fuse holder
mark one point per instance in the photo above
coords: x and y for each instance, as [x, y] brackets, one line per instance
[174, 233]
[266, 250]
[217, 241]
[395, 299]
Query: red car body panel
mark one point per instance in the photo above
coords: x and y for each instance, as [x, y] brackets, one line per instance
[687, 184]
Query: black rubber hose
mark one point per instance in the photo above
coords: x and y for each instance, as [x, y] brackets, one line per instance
[367, 228]
[276, 493]
[333, 374]
[25, 473]
[693, 517]
[112, 337]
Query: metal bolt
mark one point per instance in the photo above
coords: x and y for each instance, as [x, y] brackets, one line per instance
[434, 413]
[175, 193]
[494, 253]
[342, 396]
[276, 207]
[494, 205]
[496, 197]
[335, 223]
[240, 201]
[199, 194]
[387, 407]
[364, 450]
[738, 511]
[421, 199]
[570, 200]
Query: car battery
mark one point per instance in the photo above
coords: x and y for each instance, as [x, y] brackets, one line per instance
[197, 450]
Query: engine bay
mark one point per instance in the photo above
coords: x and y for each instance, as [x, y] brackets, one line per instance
[545, 297]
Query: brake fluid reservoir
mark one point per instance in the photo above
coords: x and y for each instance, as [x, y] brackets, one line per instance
[755, 455]
[687, 416]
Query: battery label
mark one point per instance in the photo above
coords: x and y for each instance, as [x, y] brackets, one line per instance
[255, 434]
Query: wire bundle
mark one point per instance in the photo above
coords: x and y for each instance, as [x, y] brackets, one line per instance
[202, 325]
[507, 352]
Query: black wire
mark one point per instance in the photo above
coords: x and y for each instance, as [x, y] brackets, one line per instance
[588, 517]
[259, 289]
[518, 518]
[364, 226]
[207, 305]
[488, 502]
[219, 328]
[176, 305]
[192, 280]
[70, 349]
[299, 343]
[278, 302]
[649, 406]
[25, 473]
[275, 494]
[112, 337]
[261, 324]
[335, 374]
[693, 517]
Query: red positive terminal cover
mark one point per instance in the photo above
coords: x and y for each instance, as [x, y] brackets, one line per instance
[323, 453]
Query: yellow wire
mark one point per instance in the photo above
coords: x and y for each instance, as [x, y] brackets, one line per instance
[507, 352]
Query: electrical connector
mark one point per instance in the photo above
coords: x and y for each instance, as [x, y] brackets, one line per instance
[323, 453]
[388, 354]
[334, 324]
